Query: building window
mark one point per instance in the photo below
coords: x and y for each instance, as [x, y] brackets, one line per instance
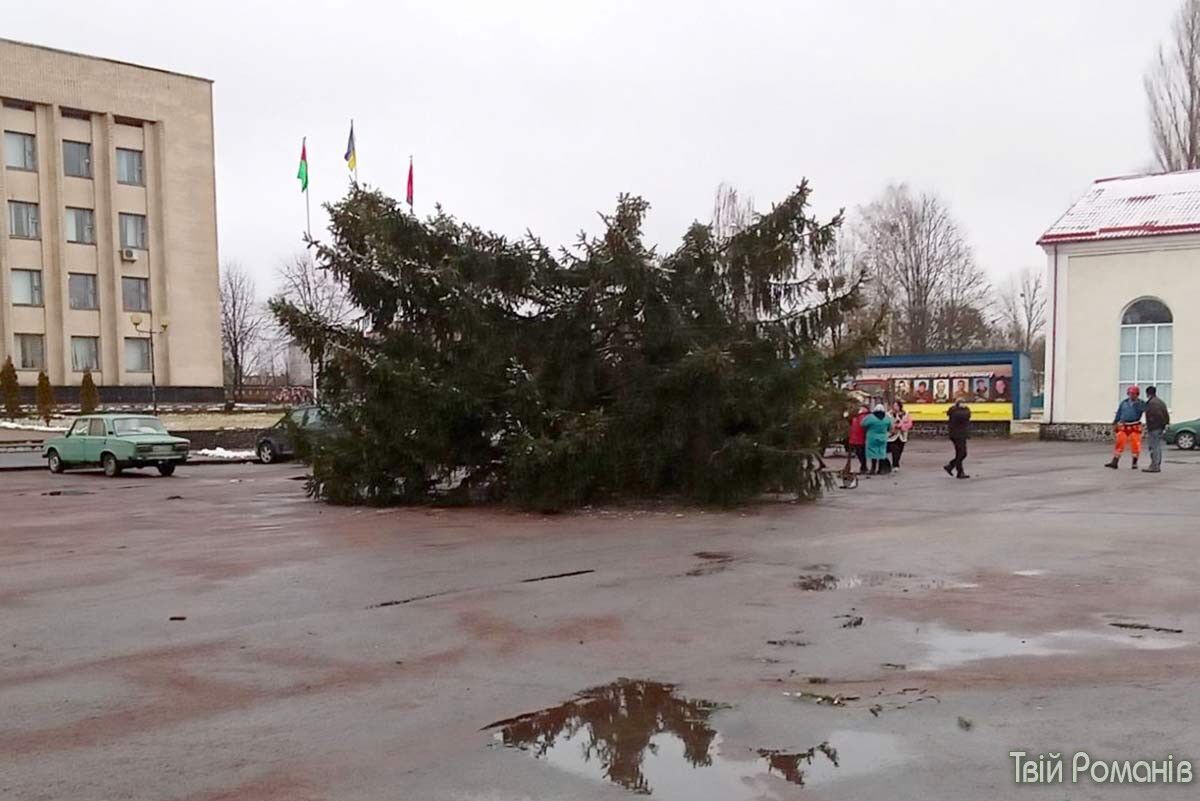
[81, 226]
[82, 289]
[133, 231]
[77, 159]
[137, 355]
[1147, 347]
[24, 222]
[135, 294]
[85, 354]
[31, 353]
[130, 168]
[27, 287]
[20, 151]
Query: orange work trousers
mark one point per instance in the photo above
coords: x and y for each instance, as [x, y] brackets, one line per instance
[1130, 433]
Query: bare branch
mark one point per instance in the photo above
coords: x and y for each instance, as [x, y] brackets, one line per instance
[243, 320]
[924, 271]
[1173, 94]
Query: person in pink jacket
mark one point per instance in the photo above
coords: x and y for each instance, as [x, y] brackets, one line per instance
[898, 437]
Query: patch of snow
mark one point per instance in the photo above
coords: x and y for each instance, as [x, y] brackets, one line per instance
[222, 453]
[20, 426]
[1029, 572]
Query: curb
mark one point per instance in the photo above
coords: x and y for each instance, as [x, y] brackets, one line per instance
[31, 467]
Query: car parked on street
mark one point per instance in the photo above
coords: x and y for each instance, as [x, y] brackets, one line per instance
[1183, 435]
[116, 442]
[276, 443]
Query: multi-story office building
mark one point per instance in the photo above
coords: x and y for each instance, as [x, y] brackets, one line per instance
[108, 231]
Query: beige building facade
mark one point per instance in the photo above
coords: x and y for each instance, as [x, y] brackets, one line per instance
[108, 232]
[1124, 270]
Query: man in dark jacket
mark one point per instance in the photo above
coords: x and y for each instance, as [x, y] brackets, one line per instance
[959, 418]
[1157, 420]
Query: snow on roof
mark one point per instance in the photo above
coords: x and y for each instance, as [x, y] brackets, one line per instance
[1131, 206]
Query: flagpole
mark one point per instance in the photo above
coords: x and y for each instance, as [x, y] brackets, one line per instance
[307, 204]
[355, 150]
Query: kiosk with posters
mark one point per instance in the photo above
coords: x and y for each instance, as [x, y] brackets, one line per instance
[995, 384]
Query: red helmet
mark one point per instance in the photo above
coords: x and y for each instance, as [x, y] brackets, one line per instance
[1134, 390]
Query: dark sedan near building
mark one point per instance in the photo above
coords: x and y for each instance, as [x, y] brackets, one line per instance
[277, 443]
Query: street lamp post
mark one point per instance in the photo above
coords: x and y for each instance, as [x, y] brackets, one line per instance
[150, 333]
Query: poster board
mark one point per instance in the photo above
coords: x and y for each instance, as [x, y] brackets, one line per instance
[927, 392]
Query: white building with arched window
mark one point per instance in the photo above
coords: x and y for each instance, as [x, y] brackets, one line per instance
[1124, 276]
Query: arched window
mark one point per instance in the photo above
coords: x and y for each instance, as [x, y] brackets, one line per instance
[1147, 343]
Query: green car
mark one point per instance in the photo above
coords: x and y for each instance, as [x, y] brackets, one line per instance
[1184, 435]
[114, 442]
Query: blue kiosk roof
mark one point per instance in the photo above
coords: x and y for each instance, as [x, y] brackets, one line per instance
[940, 359]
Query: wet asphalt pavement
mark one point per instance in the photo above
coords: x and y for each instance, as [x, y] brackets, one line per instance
[216, 635]
[13, 458]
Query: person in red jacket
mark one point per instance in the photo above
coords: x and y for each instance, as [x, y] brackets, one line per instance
[858, 438]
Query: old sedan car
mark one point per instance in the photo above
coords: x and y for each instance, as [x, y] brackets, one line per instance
[115, 442]
[1183, 435]
[275, 443]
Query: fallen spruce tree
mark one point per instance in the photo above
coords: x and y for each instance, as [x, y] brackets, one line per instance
[485, 368]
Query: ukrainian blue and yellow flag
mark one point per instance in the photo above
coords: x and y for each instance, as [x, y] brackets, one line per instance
[351, 155]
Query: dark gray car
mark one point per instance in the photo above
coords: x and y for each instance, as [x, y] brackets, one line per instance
[275, 443]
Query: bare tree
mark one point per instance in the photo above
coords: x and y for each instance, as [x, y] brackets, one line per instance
[731, 212]
[315, 291]
[319, 295]
[962, 320]
[1173, 94]
[242, 321]
[1023, 303]
[841, 268]
[922, 267]
[1023, 309]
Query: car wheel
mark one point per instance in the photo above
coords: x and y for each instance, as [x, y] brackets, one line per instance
[55, 462]
[166, 468]
[266, 452]
[1185, 441]
[112, 468]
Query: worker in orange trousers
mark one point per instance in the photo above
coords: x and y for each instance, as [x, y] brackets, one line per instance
[1127, 426]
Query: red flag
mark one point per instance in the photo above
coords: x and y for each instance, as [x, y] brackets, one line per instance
[409, 197]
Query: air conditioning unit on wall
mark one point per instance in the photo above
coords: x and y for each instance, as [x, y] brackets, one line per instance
[128, 254]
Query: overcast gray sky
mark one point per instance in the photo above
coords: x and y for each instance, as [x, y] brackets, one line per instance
[537, 113]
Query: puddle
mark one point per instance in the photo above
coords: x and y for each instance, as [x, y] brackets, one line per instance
[1029, 573]
[648, 739]
[949, 648]
[711, 562]
[816, 582]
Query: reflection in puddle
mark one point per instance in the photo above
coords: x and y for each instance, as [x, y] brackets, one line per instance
[648, 739]
[844, 754]
[951, 647]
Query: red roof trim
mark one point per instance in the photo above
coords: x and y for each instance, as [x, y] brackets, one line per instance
[1121, 232]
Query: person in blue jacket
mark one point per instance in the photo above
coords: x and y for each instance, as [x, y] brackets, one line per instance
[1127, 428]
[877, 425]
